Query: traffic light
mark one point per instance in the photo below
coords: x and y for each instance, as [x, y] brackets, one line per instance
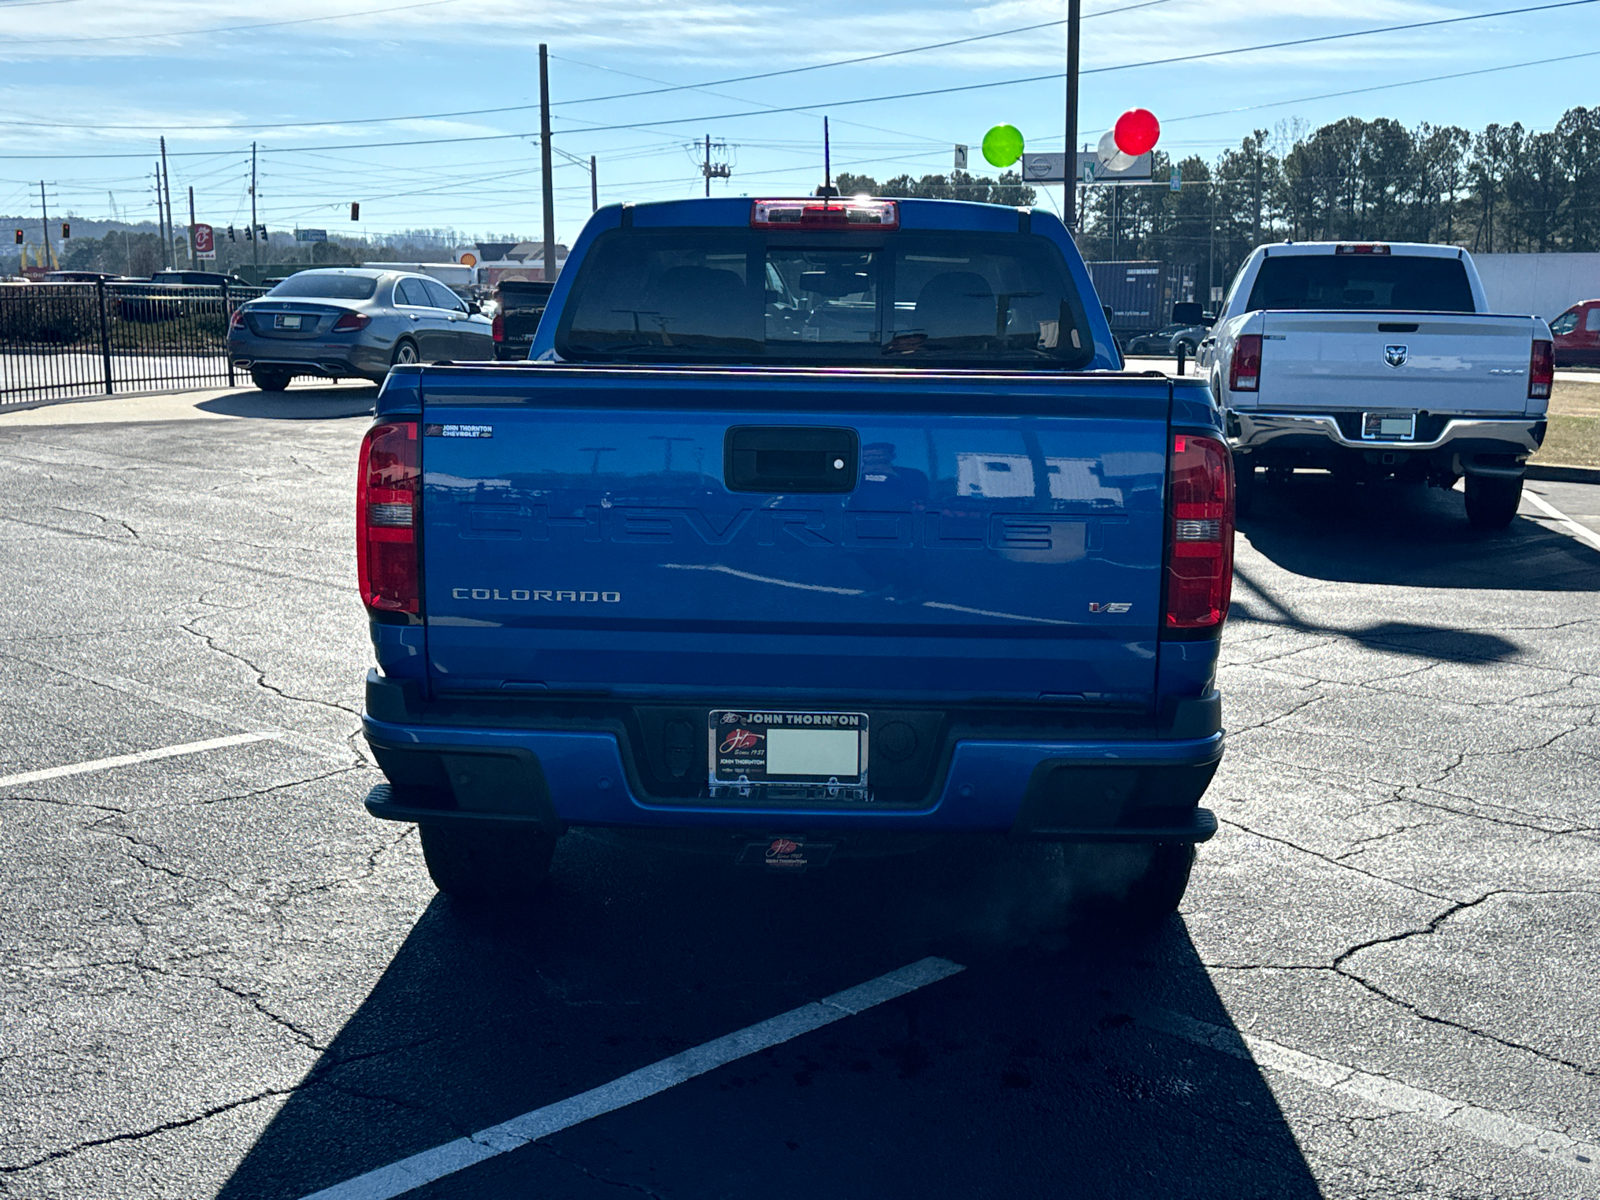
[355, 211]
[261, 232]
[232, 237]
[249, 233]
[66, 231]
[19, 237]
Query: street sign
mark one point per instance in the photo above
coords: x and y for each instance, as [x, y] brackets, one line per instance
[961, 158]
[1047, 168]
[205, 245]
[310, 235]
[1176, 180]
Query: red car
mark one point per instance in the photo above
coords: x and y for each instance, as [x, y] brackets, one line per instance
[1577, 335]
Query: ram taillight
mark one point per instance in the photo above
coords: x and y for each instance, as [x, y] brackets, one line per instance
[1199, 577]
[388, 515]
[1541, 370]
[1244, 368]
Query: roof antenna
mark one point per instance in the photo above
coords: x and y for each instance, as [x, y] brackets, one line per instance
[827, 189]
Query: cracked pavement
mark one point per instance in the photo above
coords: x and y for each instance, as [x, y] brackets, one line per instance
[219, 977]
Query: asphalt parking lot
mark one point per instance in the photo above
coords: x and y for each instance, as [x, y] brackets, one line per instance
[222, 978]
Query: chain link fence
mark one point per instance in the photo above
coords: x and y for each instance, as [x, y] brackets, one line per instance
[65, 340]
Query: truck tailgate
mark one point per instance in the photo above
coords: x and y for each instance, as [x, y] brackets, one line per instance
[1443, 362]
[1000, 535]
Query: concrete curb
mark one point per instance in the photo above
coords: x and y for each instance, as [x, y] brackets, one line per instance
[1556, 473]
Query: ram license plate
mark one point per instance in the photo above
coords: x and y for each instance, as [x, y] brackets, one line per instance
[751, 748]
[1389, 427]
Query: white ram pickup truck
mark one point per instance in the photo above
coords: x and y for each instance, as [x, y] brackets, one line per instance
[1372, 360]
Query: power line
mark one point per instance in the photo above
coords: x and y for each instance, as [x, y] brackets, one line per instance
[840, 103]
[481, 112]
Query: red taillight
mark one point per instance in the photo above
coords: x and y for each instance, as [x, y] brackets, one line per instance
[498, 328]
[861, 212]
[1199, 579]
[1541, 370]
[351, 321]
[1244, 370]
[1362, 248]
[238, 319]
[388, 512]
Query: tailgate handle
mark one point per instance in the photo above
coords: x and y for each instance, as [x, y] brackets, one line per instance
[1397, 327]
[790, 458]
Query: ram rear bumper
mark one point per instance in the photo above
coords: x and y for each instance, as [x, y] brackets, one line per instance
[1466, 445]
[1080, 791]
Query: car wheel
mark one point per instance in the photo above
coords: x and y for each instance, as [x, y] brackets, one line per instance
[1244, 485]
[269, 380]
[405, 351]
[1492, 501]
[487, 864]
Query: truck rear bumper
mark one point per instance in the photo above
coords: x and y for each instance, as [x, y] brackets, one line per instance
[1080, 791]
[1264, 433]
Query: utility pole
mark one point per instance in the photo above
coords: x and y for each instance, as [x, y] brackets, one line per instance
[255, 233]
[722, 169]
[45, 226]
[169, 256]
[161, 215]
[193, 262]
[706, 168]
[544, 171]
[1069, 158]
[594, 186]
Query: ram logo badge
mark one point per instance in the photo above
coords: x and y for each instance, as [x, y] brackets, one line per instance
[1396, 356]
[1111, 606]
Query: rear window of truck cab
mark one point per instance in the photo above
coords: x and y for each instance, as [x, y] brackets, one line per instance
[1400, 282]
[908, 298]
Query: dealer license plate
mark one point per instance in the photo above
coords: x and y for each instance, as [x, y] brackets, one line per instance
[289, 320]
[1389, 427]
[776, 749]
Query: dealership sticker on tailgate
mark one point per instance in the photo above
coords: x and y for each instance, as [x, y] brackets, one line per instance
[784, 748]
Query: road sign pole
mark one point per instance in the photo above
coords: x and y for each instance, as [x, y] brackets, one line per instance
[193, 258]
[255, 234]
[1069, 210]
[544, 164]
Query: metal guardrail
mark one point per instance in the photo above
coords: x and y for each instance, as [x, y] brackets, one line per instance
[65, 340]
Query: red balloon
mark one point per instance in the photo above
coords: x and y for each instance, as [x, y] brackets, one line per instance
[1136, 131]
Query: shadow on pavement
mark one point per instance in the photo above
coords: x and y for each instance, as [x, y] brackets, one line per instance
[1414, 536]
[296, 404]
[1027, 1074]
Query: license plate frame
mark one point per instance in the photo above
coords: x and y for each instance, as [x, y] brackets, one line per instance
[1388, 426]
[290, 321]
[767, 750]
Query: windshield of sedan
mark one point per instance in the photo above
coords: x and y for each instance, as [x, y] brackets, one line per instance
[327, 286]
[903, 299]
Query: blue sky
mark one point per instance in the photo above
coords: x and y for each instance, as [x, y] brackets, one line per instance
[81, 78]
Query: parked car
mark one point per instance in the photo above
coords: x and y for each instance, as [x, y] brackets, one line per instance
[202, 278]
[1166, 340]
[710, 573]
[518, 305]
[1374, 360]
[353, 323]
[1577, 335]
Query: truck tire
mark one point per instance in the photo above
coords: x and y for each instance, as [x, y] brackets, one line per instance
[1492, 501]
[1127, 891]
[1244, 485]
[489, 864]
[269, 380]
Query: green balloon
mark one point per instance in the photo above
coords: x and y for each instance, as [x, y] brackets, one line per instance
[1002, 145]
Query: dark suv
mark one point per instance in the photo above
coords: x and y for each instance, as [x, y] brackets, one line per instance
[519, 303]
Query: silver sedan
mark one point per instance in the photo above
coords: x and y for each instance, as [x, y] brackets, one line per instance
[350, 322]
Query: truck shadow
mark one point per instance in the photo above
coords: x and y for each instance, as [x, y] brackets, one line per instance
[1031, 1073]
[1410, 537]
[296, 404]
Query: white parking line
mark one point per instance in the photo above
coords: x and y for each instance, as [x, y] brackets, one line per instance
[1580, 532]
[399, 1178]
[1544, 1144]
[128, 760]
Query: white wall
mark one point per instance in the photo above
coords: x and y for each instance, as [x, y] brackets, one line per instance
[1545, 285]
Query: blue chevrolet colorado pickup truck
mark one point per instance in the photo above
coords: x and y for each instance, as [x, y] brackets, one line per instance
[808, 522]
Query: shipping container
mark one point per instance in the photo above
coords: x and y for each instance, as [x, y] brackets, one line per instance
[1141, 293]
[1538, 285]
